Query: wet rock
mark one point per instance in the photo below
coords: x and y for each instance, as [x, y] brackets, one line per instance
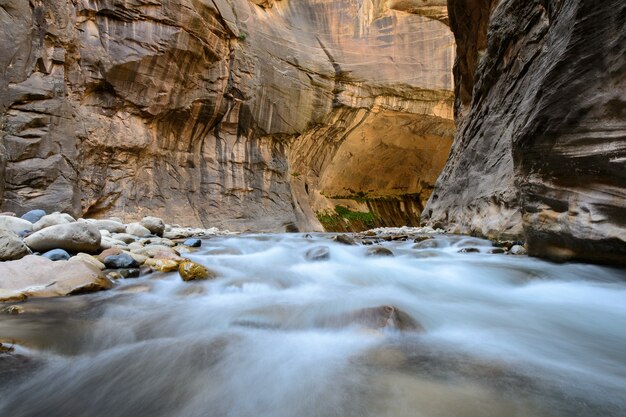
[13, 310]
[14, 224]
[428, 244]
[6, 348]
[57, 255]
[10, 296]
[108, 225]
[85, 257]
[33, 216]
[422, 238]
[497, 251]
[378, 251]
[517, 250]
[469, 250]
[193, 243]
[376, 318]
[11, 246]
[191, 271]
[108, 252]
[130, 273]
[53, 219]
[122, 260]
[154, 225]
[181, 249]
[114, 275]
[137, 229]
[344, 239]
[73, 237]
[162, 265]
[318, 253]
[35, 276]
[224, 251]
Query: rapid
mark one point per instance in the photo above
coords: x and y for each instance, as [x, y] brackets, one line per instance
[426, 333]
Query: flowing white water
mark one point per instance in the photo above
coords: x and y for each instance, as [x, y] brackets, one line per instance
[502, 336]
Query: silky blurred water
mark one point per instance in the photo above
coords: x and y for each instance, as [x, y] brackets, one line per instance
[503, 336]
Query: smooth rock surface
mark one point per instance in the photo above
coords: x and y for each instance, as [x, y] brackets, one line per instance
[11, 246]
[35, 276]
[137, 229]
[153, 224]
[14, 224]
[57, 255]
[72, 237]
[33, 216]
[52, 220]
[122, 260]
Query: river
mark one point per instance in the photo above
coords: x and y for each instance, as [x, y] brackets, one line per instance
[429, 332]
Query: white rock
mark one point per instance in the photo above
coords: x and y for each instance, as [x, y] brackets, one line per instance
[124, 237]
[36, 276]
[15, 224]
[73, 237]
[137, 230]
[11, 246]
[183, 232]
[108, 242]
[517, 250]
[154, 224]
[157, 241]
[52, 220]
[85, 257]
[109, 225]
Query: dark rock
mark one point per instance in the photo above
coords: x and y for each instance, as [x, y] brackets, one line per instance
[497, 250]
[383, 317]
[57, 255]
[422, 238]
[378, 251]
[122, 260]
[428, 244]
[318, 253]
[344, 239]
[291, 228]
[469, 250]
[193, 243]
[33, 216]
[13, 310]
[130, 273]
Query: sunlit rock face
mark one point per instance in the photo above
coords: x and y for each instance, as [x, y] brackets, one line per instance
[541, 145]
[195, 110]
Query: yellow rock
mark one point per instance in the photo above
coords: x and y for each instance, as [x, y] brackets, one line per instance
[162, 265]
[191, 271]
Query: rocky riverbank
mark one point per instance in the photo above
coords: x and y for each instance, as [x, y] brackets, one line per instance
[48, 255]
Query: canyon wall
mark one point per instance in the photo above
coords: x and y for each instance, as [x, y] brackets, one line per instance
[249, 115]
[540, 150]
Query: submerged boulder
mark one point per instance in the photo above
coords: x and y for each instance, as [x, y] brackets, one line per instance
[318, 253]
[378, 251]
[375, 318]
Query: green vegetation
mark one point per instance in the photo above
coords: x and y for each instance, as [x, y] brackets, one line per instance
[344, 219]
[242, 35]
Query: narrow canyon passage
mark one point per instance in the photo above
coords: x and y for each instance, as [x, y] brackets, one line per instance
[289, 329]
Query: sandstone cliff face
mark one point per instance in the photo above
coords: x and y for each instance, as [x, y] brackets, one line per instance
[541, 144]
[206, 111]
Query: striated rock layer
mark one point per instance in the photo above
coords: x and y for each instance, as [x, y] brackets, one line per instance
[206, 111]
[541, 145]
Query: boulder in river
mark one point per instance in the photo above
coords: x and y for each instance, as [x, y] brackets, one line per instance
[344, 239]
[375, 318]
[517, 250]
[317, 253]
[162, 265]
[36, 276]
[193, 243]
[33, 216]
[53, 220]
[154, 225]
[11, 246]
[73, 237]
[378, 251]
[15, 224]
[192, 271]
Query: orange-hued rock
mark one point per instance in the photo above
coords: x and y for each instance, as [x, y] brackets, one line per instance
[540, 152]
[205, 112]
